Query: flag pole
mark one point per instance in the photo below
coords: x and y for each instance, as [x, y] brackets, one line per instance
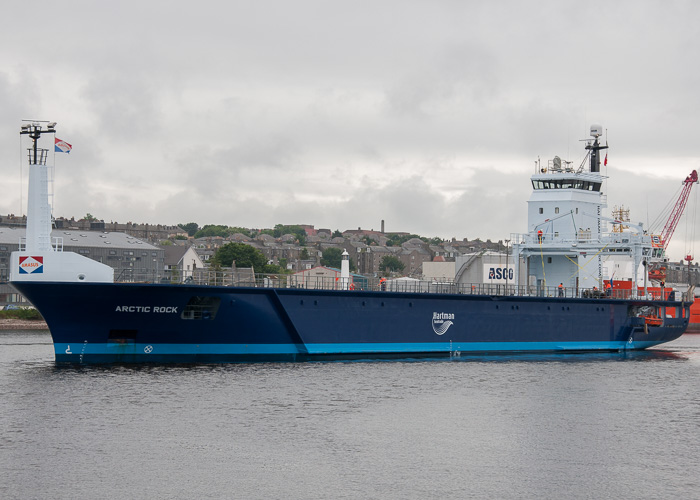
[52, 183]
[21, 196]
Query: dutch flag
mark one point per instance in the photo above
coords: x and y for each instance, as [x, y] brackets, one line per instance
[61, 146]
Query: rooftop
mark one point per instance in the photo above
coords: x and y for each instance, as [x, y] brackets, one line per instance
[10, 235]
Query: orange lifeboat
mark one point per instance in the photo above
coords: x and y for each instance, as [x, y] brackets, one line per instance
[652, 320]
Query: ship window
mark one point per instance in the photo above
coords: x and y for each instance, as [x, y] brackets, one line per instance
[201, 308]
[541, 210]
[556, 210]
[549, 260]
[576, 209]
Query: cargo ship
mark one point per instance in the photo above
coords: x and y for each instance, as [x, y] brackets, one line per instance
[552, 300]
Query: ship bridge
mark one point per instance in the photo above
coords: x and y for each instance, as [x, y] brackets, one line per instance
[568, 240]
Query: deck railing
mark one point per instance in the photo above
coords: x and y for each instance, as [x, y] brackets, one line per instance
[582, 237]
[235, 278]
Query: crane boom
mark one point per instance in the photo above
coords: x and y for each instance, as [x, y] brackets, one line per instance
[678, 209]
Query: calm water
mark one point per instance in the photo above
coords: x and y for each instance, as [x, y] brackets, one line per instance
[584, 426]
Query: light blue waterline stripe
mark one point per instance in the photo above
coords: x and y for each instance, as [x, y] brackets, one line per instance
[349, 348]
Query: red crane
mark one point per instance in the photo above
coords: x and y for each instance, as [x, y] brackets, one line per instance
[656, 270]
[678, 209]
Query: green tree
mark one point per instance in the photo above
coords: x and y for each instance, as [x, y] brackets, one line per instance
[272, 269]
[396, 240]
[166, 243]
[304, 255]
[298, 231]
[332, 257]
[21, 313]
[190, 227]
[391, 263]
[215, 267]
[337, 234]
[89, 217]
[242, 230]
[212, 230]
[244, 256]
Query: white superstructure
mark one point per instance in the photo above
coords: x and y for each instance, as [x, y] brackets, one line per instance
[39, 258]
[568, 242]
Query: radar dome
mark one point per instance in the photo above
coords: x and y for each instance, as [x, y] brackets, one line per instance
[596, 130]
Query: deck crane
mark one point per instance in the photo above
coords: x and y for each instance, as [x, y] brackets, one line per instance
[656, 272]
[678, 209]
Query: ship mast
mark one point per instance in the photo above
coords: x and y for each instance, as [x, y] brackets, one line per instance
[38, 236]
[596, 131]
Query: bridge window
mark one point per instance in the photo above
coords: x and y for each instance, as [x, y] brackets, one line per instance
[566, 184]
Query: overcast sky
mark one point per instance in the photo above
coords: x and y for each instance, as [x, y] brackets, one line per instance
[427, 114]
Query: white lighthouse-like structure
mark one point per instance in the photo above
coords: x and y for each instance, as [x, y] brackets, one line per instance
[345, 270]
[39, 257]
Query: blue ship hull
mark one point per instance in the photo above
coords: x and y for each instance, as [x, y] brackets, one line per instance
[150, 323]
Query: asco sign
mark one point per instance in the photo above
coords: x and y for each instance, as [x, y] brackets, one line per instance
[498, 273]
[31, 265]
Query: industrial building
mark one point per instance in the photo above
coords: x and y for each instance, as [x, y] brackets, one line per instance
[131, 258]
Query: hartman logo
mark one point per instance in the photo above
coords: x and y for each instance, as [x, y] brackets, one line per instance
[442, 321]
[31, 265]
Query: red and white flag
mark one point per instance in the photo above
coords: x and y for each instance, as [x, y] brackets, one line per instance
[61, 146]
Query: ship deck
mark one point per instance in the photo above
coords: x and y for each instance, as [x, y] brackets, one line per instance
[245, 278]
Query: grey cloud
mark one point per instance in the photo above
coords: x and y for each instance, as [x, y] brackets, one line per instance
[428, 115]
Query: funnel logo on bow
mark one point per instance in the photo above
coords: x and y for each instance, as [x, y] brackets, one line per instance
[442, 321]
[31, 265]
